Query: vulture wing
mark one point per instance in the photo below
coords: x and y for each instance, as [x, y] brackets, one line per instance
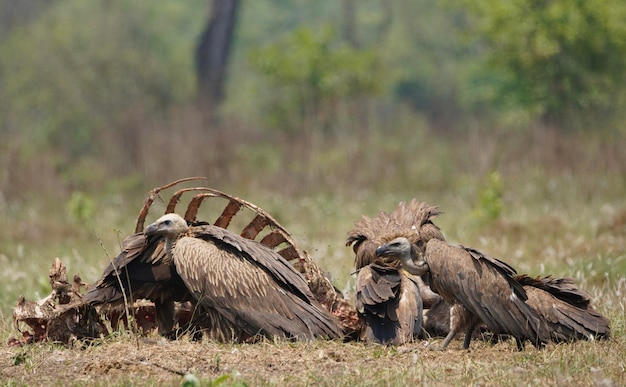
[565, 308]
[411, 308]
[484, 286]
[389, 301]
[365, 253]
[562, 288]
[437, 319]
[248, 288]
[141, 271]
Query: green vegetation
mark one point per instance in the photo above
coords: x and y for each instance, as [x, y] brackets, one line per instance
[489, 207]
[86, 103]
[556, 60]
[313, 79]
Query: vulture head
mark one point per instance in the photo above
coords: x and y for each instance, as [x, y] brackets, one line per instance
[169, 226]
[403, 250]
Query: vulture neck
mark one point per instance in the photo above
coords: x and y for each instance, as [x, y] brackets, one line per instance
[170, 244]
[408, 259]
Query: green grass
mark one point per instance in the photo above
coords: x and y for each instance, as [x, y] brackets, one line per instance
[563, 215]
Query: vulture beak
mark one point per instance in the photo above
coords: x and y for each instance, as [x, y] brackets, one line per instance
[150, 229]
[401, 249]
[382, 250]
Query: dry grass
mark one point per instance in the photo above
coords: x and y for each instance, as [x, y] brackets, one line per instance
[144, 361]
[563, 214]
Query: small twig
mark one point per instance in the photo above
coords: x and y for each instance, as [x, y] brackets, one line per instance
[179, 373]
[117, 275]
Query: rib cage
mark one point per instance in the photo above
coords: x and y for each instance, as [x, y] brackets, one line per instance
[276, 237]
[263, 228]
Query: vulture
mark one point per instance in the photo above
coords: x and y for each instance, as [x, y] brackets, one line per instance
[388, 299]
[479, 289]
[245, 288]
[142, 270]
[437, 323]
[389, 302]
[564, 308]
[436, 319]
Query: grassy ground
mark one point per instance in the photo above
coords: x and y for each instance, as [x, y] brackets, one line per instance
[128, 360]
[557, 208]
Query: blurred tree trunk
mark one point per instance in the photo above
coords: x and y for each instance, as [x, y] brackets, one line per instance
[386, 20]
[15, 12]
[212, 54]
[349, 22]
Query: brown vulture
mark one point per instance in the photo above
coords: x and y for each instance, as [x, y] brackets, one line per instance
[389, 302]
[388, 298]
[436, 319]
[141, 271]
[565, 308]
[246, 288]
[479, 288]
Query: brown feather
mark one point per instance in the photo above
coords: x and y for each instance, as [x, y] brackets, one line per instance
[252, 289]
[142, 270]
[412, 221]
[565, 308]
[482, 286]
[389, 302]
[390, 319]
[478, 288]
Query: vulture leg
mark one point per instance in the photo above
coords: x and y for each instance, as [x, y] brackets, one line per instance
[164, 310]
[446, 341]
[469, 329]
[468, 338]
[460, 319]
[454, 326]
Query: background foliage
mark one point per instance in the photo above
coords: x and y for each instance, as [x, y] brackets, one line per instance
[561, 61]
[313, 78]
[90, 90]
